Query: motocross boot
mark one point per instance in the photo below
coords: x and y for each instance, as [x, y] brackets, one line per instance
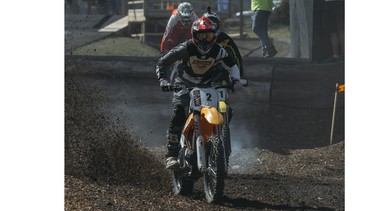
[173, 148]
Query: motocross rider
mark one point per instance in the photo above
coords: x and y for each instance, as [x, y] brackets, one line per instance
[230, 46]
[225, 40]
[200, 57]
[178, 27]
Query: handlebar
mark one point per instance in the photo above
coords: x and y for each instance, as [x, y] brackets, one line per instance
[215, 85]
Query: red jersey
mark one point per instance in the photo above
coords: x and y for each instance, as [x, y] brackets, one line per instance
[175, 32]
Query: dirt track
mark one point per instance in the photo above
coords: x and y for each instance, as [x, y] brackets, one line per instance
[107, 169]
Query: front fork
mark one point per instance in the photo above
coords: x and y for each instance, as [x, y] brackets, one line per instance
[199, 143]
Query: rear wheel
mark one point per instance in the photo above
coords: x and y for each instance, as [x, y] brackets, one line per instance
[227, 144]
[215, 174]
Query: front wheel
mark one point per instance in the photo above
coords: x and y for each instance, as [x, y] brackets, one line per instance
[215, 174]
[181, 184]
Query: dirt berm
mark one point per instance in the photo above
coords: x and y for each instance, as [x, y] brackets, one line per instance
[115, 122]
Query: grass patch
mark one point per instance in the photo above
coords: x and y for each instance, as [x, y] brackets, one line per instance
[280, 32]
[125, 46]
[276, 32]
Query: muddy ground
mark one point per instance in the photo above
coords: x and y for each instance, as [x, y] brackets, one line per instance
[106, 168]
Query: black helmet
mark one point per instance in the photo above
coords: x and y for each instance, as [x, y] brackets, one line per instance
[213, 17]
[204, 35]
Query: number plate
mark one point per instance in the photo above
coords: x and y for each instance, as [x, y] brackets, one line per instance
[223, 94]
[204, 97]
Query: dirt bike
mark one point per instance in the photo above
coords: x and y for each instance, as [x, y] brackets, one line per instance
[202, 142]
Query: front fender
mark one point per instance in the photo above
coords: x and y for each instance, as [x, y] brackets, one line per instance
[212, 115]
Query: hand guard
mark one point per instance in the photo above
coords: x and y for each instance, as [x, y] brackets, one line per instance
[165, 85]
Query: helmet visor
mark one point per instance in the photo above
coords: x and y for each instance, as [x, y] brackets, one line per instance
[208, 36]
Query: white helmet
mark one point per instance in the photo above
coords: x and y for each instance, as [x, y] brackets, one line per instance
[185, 13]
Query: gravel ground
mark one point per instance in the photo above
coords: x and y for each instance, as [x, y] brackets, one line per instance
[105, 169]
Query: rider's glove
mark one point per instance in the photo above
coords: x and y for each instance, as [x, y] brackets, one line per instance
[237, 85]
[165, 85]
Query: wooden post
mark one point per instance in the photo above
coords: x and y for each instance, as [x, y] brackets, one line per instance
[241, 19]
[74, 7]
[89, 4]
[124, 7]
[333, 115]
[230, 8]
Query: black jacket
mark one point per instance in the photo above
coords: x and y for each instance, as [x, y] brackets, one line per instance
[227, 42]
[195, 65]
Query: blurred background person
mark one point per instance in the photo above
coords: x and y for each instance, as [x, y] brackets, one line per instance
[178, 29]
[262, 11]
[333, 16]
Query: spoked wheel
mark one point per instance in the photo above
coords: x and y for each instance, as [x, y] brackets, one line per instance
[181, 185]
[227, 144]
[215, 174]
